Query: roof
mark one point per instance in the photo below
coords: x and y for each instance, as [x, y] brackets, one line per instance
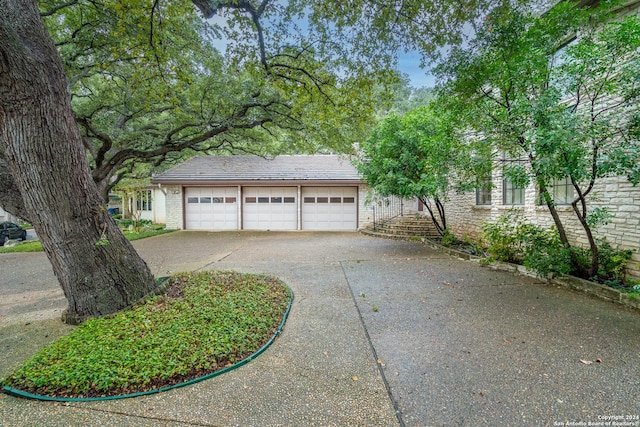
[255, 169]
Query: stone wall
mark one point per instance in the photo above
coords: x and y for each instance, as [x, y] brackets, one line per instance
[174, 208]
[621, 199]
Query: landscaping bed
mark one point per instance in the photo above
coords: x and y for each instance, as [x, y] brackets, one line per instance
[203, 323]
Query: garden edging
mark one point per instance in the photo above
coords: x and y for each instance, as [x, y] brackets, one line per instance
[569, 282]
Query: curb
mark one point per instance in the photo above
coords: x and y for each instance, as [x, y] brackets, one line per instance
[597, 290]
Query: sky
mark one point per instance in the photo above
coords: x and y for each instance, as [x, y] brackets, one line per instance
[408, 62]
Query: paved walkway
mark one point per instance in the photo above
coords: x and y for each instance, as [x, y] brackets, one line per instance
[382, 333]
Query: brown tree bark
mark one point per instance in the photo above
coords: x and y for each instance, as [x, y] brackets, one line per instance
[96, 266]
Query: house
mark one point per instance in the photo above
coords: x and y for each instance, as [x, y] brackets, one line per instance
[145, 203]
[466, 213]
[244, 192]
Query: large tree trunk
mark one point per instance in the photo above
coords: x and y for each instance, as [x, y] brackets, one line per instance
[97, 267]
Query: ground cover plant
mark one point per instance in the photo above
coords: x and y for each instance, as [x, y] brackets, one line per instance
[203, 323]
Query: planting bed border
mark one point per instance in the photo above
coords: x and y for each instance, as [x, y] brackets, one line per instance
[19, 393]
[569, 282]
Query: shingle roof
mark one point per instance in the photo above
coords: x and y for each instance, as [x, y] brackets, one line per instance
[243, 168]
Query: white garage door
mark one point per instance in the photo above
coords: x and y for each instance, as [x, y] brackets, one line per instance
[211, 208]
[269, 208]
[329, 208]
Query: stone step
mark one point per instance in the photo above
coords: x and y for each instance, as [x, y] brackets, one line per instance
[404, 228]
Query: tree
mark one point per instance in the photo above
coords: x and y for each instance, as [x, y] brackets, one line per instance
[569, 113]
[44, 172]
[420, 155]
[98, 269]
[150, 88]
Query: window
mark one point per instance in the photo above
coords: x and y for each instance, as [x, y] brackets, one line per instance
[143, 200]
[348, 200]
[323, 200]
[512, 194]
[561, 191]
[276, 200]
[289, 199]
[263, 200]
[205, 199]
[483, 193]
[217, 199]
[230, 200]
[250, 199]
[192, 200]
[560, 57]
[335, 199]
[309, 199]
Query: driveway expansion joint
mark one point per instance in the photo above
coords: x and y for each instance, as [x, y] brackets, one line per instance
[387, 387]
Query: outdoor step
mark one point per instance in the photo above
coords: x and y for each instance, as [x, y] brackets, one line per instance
[404, 228]
[370, 232]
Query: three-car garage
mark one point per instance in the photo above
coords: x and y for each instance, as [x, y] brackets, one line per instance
[252, 193]
[271, 208]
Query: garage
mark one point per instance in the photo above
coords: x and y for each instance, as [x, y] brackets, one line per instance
[269, 208]
[211, 208]
[245, 192]
[329, 208]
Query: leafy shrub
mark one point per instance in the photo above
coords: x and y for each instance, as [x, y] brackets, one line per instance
[502, 240]
[511, 239]
[612, 262]
[448, 239]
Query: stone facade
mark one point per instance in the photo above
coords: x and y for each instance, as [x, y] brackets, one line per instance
[174, 209]
[616, 194]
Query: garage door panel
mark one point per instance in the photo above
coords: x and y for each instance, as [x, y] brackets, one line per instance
[270, 208]
[211, 208]
[329, 208]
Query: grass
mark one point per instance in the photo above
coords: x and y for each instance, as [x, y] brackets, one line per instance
[204, 322]
[36, 246]
[131, 236]
[32, 246]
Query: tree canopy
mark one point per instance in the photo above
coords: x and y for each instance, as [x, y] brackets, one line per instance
[147, 86]
[420, 155]
[294, 71]
[566, 108]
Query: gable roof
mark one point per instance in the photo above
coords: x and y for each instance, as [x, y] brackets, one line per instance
[254, 169]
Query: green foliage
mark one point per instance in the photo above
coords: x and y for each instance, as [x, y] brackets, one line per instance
[36, 246]
[23, 247]
[448, 239]
[204, 323]
[131, 236]
[512, 239]
[564, 111]
[612, 262]
[420, 155]
[149, 88]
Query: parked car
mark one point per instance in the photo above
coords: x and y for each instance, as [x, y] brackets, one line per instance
[9, 231]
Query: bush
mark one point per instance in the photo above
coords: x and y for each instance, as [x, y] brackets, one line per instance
[448, 239]
[511, 239]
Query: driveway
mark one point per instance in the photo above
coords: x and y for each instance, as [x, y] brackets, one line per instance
[381, 333]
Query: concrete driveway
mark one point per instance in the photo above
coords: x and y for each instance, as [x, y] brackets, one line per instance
[381, 333]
